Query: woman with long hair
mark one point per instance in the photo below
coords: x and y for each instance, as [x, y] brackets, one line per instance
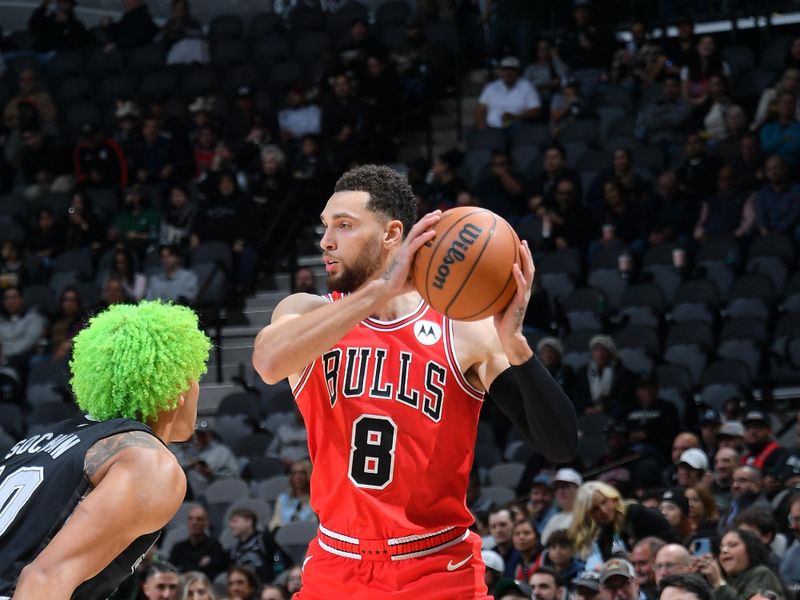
[739, 572]
[526, 541]
[295, 504]
[603, 524]
[133, 282]
[69, 320]
[703, 511]
[197, 586]
[706, 62]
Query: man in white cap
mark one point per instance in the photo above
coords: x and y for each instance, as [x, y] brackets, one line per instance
[692, 467]
[587, 585]
[565, 487]
[507, 100]
[495, 565]
[618, 578]
[604, 385]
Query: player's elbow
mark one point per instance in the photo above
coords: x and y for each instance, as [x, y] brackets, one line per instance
[266, 367]
[36, 577]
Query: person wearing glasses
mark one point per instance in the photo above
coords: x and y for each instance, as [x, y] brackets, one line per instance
[618, 580]
[790, 561]
[672, 559]
[746, 491]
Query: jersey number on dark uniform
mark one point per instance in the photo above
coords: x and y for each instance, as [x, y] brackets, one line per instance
[15, 491]
[372, 451]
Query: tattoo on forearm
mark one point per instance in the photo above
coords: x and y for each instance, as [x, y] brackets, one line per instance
[109, 447]
[519, 314]
[391, 269]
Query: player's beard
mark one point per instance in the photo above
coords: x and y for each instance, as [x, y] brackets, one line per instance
[353, 277]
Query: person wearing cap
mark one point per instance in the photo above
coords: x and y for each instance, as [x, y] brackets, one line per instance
[494, 569]
[127, 132]
[710, 423]
[508, 589]
[604, 385]
[653, 421]
[675, 508]
[618, 579]
[99, 161]
[586, 585]
[507, 100]
[762, 450]
[206, 460]
[746, 491]
[550, 351]
[692, 467]
[682, 442]
[725, 462]
[731, 435]
[445, 184]
[565, 487]
[540, 500]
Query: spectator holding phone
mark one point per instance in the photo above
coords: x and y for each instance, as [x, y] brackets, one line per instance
[740, 572]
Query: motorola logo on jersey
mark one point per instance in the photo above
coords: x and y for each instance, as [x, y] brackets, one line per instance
[354, 372]
[427, 332]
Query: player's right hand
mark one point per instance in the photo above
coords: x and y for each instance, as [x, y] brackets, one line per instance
[397, 275]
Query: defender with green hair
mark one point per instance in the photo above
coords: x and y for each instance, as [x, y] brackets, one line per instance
[84, 501]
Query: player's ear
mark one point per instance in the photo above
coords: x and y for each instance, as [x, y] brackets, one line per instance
[393, 233]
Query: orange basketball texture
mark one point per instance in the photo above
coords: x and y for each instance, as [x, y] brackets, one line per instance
[465, 272]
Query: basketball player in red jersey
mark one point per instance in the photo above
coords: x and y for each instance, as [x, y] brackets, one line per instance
[391, 392]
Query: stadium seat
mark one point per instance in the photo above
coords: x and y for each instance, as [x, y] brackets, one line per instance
[260, 469]
[718, 260]
[638, 336]
[691, 333]
[226, 491]
[116, 87]
[277, 420]
[243, 404]
[558, 271]
[581, 309]
[40, 297]
[745, 351]
[392, 12]
[485, 139]
[606, 116]
[102, 64]
[715, 395]
[751, 295]
[594, 161]
[576, 348]
[172, 537]
[269, 489]
[76, 261]
[615, 95]
[609, 282]
[225, 27]
[638, 360]
[642, 304]
[253, 446]
[727, 371]
[307, 17]
[212, 285]
[620, 128]
[531, 135]
[232, 428]
[784, 362]
[500, 496]
[690, 356]
[263, 24]
[506, 475]
[294, 538]
[584, 130]
[695, 300]
[74, 90]
[486, 456]
[64, 65]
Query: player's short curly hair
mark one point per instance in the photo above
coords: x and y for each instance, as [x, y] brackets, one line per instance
[390, 194]
[135, 361]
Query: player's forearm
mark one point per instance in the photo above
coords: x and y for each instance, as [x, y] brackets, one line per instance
[528, 393]
[287, 347]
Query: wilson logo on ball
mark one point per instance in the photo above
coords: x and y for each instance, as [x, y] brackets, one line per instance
[455, 253]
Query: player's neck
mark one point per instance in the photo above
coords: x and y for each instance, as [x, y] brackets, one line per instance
[398, 307]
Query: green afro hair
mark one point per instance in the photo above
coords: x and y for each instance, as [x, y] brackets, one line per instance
[135, 361]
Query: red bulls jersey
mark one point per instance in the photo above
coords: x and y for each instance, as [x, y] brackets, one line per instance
[391, 428]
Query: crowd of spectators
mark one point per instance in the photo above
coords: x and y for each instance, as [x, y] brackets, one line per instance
[115, 182]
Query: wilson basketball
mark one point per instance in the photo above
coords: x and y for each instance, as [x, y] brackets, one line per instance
[465, 272]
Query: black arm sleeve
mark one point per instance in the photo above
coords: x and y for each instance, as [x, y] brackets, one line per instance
[535, 403]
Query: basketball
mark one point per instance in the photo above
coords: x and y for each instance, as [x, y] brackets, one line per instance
[465, 272]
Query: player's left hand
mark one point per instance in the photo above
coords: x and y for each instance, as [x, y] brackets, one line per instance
[509, 322]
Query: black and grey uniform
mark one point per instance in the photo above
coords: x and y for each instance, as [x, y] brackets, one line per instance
[42, 480]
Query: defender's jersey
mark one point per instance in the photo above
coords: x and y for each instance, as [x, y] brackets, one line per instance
[391, 426]
[41, 482]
